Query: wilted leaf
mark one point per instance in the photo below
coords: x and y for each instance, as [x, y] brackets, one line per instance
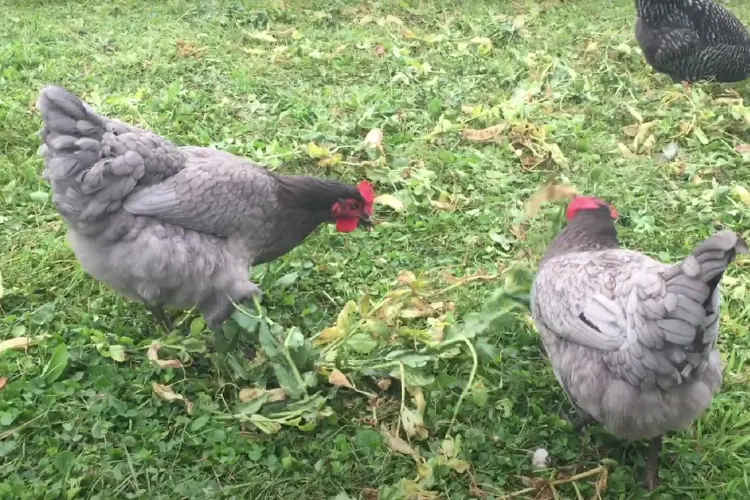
[413, 423]
[698, 133]
[331, 160]
[633, 112]
[166, 393]
[417, 397]
[556, 154]
[370, 494]
[343, 319]
[742, 148]
[390, 201]
[339, 379]
[489, 134]
[742, 193]
[315, 151]
[328, 335]
[262, 36]
[630, 130]
[153, 356]
[547, 193]
[3, 381]
[459, 466]
[395, 443]
[57, 363]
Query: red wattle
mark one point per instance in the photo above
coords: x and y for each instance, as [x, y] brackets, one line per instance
[346, 224]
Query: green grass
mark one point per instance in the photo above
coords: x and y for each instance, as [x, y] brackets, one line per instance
[565, 84]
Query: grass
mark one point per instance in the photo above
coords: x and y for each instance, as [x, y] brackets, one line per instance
[78, 416]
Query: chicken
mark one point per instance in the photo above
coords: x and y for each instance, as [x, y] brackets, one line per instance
[177, 226]
[631, 341]
[692, 40]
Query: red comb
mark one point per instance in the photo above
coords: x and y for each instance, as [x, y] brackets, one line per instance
[367, 192]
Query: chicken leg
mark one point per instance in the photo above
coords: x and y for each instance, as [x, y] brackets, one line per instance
[650, 477]
[161, 317]
[581, 422]
[219, 307]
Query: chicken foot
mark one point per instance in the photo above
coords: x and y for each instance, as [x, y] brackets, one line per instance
[650, 477]
[219, 307]
[161, 317]
[581, 422]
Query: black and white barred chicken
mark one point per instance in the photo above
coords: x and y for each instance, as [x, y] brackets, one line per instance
[692, 40]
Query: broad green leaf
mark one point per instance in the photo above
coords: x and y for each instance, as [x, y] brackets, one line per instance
[268, 342]
[361, 342]
[43, 314]
[64, 460]
[198, 325]
[287, 381]
[57, 363]
[253, 406]
[265, 424]
[199, 423]
[287, 280]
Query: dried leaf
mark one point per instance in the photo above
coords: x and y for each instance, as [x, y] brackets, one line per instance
[413, 423]
[395, 443]
[489, 134]
[547, 193]
[459, 466]
[3, 381]
[556, 154]
[406, 277]
[250, 393]
[153, 356]
[262, 36]
[390, 201]
[630, 130]
[476, 492]
[417, 396]
[374, 138]
[384, 383]
[742, 148]
[15, 343]
[626, 153]
[339, 379]
[370, 494]
[166, 393]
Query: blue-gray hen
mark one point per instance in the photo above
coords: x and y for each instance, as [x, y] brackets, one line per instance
[631, 341]
[692, 40]
[177, 226]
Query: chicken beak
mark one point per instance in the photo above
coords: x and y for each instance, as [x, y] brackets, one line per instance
[365, 221]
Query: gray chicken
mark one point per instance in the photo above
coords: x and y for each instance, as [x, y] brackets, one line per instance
[692, 40]
[631, 341]
[177, 226]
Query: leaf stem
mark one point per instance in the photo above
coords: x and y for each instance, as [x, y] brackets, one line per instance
[467, 388]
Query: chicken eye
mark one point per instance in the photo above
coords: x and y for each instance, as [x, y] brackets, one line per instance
[355, 205]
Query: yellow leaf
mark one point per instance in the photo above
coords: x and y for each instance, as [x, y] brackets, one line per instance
[366, 20]
[417, 396]
[262, 36]
[591, 46]
[153, 356]
[339, 379]
[556, 154]
[393, 20]
[390, 201]
[413, 423]
[395, 443]
[742, 194]
[328, 335]
[518, 22]
[331, 160]
[15, 343]
[483, 135]
[342, 321]
[548, 193]
[315, 151]
[696, 179]
[459, 466]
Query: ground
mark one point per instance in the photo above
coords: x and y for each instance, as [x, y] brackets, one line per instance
[479, 104]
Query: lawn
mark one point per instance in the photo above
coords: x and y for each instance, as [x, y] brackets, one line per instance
[479, 104]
